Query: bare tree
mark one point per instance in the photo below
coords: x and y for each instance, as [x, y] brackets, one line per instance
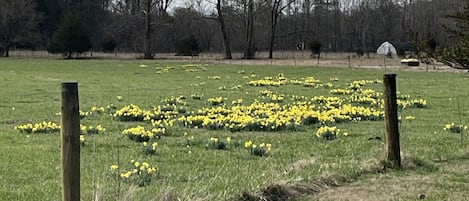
[224, 35]
[17, 23]
[152, 9]
[276, 9]
[249, 49]
[147, 42]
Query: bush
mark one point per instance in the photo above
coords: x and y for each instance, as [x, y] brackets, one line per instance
[360, 53]
[315, 47]
[187, 46]
[108, 44]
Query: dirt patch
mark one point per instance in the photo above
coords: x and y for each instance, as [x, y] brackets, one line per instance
[282, 192]
[381, 188]
[447, 182]
[366, 184]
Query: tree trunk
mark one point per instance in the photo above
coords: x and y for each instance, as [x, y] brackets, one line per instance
[224, 35]
[273, 26]
[148, 40]
[7, 52]
[249, 49]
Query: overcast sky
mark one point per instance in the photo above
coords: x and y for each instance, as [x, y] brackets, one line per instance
[205, 5]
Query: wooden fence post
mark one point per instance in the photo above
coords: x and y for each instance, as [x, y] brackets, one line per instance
[393, 151]
[70, 131]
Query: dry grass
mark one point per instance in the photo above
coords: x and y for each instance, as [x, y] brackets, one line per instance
[373, 182]
[291, 191]
[411, 185]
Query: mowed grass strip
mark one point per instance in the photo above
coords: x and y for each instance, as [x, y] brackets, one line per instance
[30, 91]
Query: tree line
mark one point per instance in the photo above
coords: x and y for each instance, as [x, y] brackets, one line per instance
[247, 26]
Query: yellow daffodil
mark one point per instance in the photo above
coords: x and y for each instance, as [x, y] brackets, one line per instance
[248, 144]
[114, 167]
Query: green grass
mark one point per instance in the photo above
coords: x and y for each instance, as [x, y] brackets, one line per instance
[30, 164]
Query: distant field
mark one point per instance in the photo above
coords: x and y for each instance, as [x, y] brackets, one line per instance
[284, 58]
[286, 112]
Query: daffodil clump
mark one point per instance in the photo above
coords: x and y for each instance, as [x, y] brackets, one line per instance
[453, 128]
[217, 143]
[329, 133]
[310, 82]
[130, 113]
[42, 127]
[149, 148]
[179, 100]
[341, 91]
[139, 173]
[364, 100]
[189, 140]
[98, 129]
[358, 84]
[272, 97]
[269, 81]
[258, 150]
[164, 69]
[82, 140]
[329, 102]
[166, 112]
[196, 96]
[366, 97]
[140, 134]
[192, 67]
[237, 102]
[215, 77]
[261, 116]
[84, 114]
[414, 103]
[216, 101]
[418, 103]
[98, 110]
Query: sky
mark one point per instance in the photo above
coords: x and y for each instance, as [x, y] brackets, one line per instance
[205, 6]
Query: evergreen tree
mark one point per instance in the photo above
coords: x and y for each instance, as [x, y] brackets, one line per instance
[458, 55]
[70, 37]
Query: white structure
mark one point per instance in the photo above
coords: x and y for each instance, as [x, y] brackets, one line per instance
[386, 48]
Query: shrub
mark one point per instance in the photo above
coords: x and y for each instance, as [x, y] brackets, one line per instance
[258, 150]
[187, 46]
[315, 47]
[108, 44]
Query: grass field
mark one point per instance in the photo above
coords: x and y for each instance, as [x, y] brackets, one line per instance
[189, 165]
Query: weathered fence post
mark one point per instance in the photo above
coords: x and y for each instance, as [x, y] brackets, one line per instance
[393, 152]
[70, 131]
